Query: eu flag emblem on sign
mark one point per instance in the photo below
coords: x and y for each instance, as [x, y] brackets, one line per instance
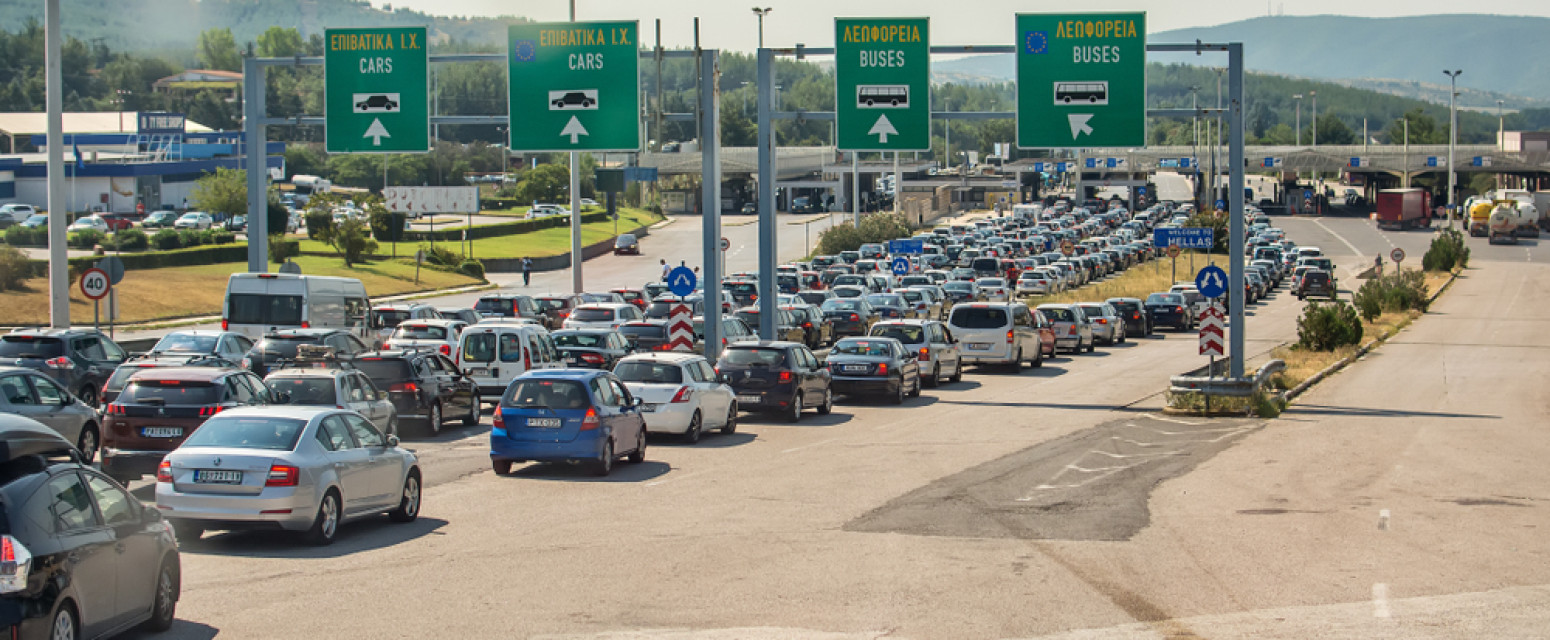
[1036, 42]
[524, 50]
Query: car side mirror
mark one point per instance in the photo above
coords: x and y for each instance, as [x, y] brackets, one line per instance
[150, 515]
[392, 440]
[282, 397]
[382, 395]
[635, 402]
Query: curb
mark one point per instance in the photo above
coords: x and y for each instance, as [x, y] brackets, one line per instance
[1290, 394]
[665, 221]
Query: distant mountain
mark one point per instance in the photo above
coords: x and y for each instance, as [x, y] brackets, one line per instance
[1402, 56]
[166, 25]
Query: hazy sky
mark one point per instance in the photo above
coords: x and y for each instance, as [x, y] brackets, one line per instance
[732, 25]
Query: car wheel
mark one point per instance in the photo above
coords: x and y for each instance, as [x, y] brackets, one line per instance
[409, 503]
[936, 375]
[1016, 365]
[796, 408]
[186, 531]
[87, 443]
[605, 464]
[957, 373]
[639, 454]
[325, 527]
[828, 403]
[65, 626]
[898, 396]
[88, 396]
[472, 420]
[433, 422]
[731, 426]
[165, 608]
[501, 467]
[915, 391]
[693, 434]
[1038, 357]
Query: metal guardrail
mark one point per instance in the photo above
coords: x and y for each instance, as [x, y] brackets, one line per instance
[1230, 387]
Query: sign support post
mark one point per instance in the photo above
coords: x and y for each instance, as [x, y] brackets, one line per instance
[710, 196]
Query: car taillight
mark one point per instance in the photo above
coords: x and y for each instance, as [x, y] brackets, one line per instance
[205, 412]
[807, 325]
[1071, 330]
[592, 358]
[306, 325]
[283, 475]
[1103, 320]
[1179, 309]
[446, 350]
[62, 362]
[1009, 333]
[882, 368]
[683, 395]
[223, 324]
[785, 376]
[404, 387]
[498, 422]
[590, 421]
[164, 471]
[15, 564]
[116, 409]
[855, 318]
[527, 360]
[925, 353]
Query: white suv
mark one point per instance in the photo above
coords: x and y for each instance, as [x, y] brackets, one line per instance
[997, 333]
[604, 315]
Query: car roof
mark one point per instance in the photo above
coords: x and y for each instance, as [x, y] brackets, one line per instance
[430, 322]
[604, 305]
[55, 333]
[184, 374]
[22, 436]
[570, 374]
[765, 344]
[300, 412]
[674, 358]
[302, 333]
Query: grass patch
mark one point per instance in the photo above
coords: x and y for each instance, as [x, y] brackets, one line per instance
[544, 242]
[1138, 281]
[175, 292]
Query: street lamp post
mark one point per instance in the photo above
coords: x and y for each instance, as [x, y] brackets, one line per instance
[1453, 134]
[1501, 135]
[1194, 144]
[760, 12]
[1298, 97]
[1315, 126]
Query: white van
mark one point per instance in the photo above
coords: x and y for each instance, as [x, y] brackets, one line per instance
[258, 303]
[495, 353]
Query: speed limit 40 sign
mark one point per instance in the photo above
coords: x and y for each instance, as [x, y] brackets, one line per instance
[94, 283]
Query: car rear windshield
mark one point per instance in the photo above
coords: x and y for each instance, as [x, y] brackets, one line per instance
[384, 369]
[495, 305]
[986, 264]
[263, 308]
[980, 318]
[248, 432]
[903, 333]
[554, 394]
[1317, 276]
[564, 339]
[649, 372]
[885, 300]
[742, 288]
[170, 392]
[1158, 298]
[306, 390]
[754, 357]
[1092, 311]
[597, 297]
[551, 304]
[185, 343]
[390, 318]
[31, 347]
[592, 315]
[283, 347]
[750, 317]
[420, 332]
[1058, 314]
[643, 331]
[841, 305]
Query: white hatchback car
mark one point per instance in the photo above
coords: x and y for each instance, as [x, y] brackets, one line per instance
[683, 395]
[605, 315]
[194, 220]
[441, 335]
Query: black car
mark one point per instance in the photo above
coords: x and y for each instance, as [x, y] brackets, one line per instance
[80, 556]
[646, 335]
[591, 348]
[1169, 309]
[424, 386]
[874, 366]
[1138, 322]
[744, 292]
[1316, 283]
[776, 377]
[80, 360]
[848, 316]
[279, 347]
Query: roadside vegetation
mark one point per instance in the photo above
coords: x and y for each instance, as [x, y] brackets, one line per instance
[1138, 281]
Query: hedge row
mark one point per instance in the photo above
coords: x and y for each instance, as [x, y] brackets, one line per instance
[152, 260]
[502, 228]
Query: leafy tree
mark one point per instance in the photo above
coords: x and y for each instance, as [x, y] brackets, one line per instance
[1332, 130]
[217, 49]
[280, 42]
[225, 191]
[1423, 129]
[545, 183]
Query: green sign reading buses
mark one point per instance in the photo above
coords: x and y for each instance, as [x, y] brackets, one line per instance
[1081, 80]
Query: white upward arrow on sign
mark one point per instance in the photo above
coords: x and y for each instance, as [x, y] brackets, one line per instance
[574, 130]
[1079, 124]
[376, 132]
[882, 129]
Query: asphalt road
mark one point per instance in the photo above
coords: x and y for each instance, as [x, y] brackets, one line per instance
[1057, 501]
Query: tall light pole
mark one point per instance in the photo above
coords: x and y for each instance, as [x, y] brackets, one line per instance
[1453, 133]
[1315, 96]
[1194, 145]
[1217, 143]
[760, 12]
[1298, 98]
[1501, 135]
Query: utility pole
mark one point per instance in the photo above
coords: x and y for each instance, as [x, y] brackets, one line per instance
[1315, 96]
[1194, 145]
[1453, 134]
[1298, 97]
[1501, 136]
[761, 13]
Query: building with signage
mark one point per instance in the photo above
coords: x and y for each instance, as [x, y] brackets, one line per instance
[227, 83]
[118, 162]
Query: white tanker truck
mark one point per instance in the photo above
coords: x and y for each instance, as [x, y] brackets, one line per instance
[1511, 218]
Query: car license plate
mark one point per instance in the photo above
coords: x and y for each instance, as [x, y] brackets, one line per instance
[162, 432]
[649, 407]
[217, 476]
[979, 346]
[570, 361]
[478, 371]
[857, 368]
[748, 399]
[546, 423]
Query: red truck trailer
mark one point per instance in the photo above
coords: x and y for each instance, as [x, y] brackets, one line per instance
[1404, 208]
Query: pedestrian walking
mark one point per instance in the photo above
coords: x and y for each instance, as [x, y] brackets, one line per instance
[527, 271]
[665, 269]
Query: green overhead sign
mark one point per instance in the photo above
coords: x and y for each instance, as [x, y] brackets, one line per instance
[574, 86]
[1081, 80]
[375, 96]
[882, 84]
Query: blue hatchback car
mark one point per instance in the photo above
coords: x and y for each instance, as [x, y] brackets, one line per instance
[567, 415]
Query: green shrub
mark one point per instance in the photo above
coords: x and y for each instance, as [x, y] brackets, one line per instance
[1401, 291]
[1447, 252]
[192, 237]
[221, 236]
[877, 227]
[1324, 327]
[351, 239]
[166, 240]
[472, 269]
[441, 255]
[14, 268]
[387, 226]
[320, 224]
[19, 236]
[131, 240]
[282, 249]
[87, 238]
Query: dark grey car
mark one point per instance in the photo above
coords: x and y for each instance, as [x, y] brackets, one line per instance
[25, 392]
[79, 359]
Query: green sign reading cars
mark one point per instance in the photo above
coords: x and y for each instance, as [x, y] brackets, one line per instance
[574, 86]
[374, 88]
[882, 84]
[1081, 80]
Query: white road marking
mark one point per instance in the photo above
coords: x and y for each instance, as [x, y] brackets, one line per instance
[1173, 420]
[1341, 238]
[814, 444]
[1383, 520]
[669, 478]
[1380, 600]
[1528, 255]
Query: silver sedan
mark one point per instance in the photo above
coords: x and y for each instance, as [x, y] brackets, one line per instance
[301, 469]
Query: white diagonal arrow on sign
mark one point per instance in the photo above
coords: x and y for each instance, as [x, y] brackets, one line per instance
[574, 130]
[1079, 124]
[376, 132]
[882, 129]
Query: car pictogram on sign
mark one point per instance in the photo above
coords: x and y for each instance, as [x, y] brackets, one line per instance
[369, 102]
[585, 99]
